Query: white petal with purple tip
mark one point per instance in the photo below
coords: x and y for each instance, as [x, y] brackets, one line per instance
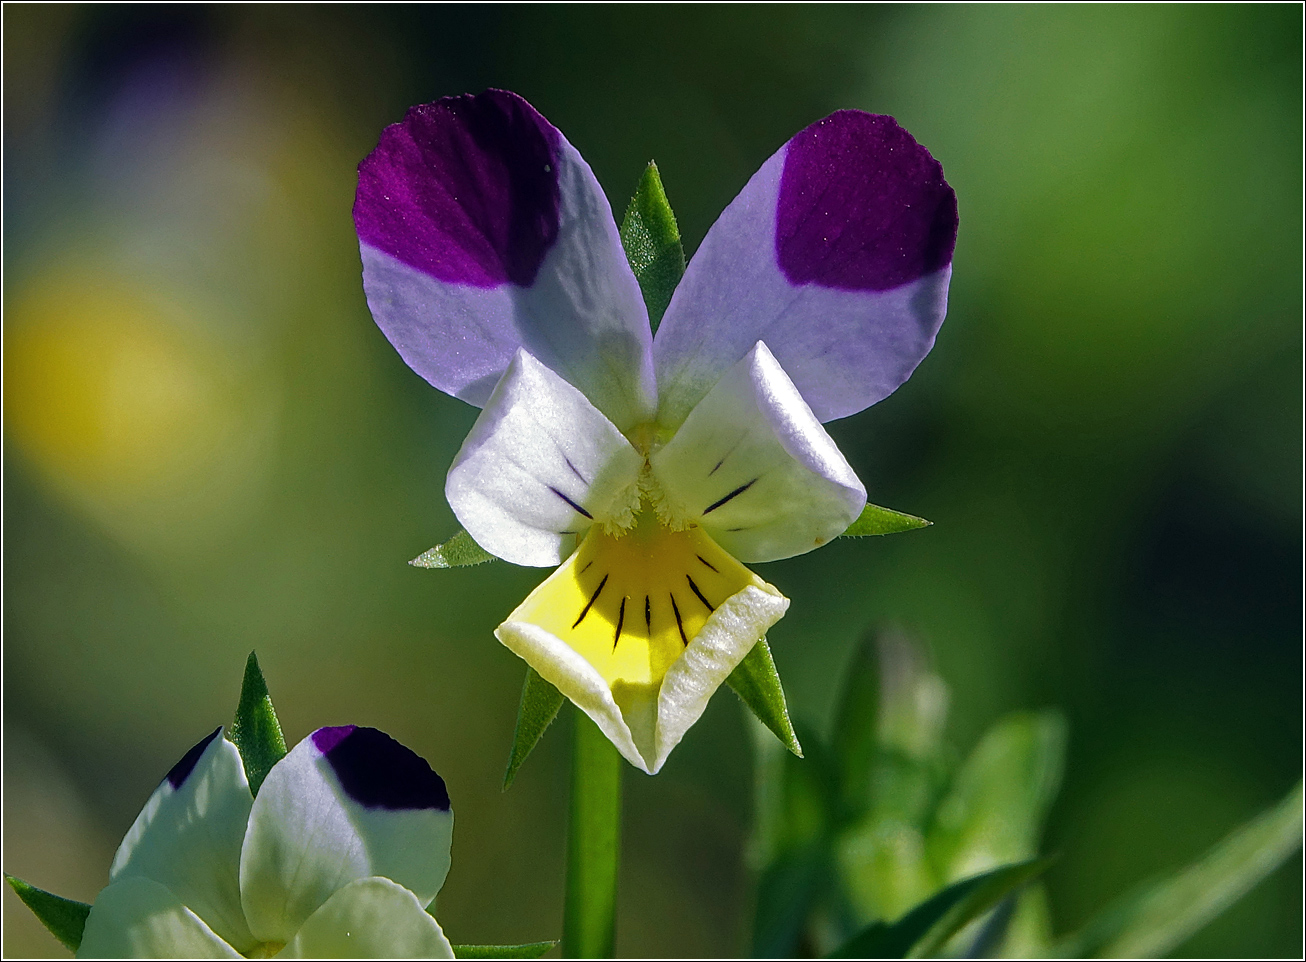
[371, 918]
[836, 254]
[540, 466]
[754, 467]
[188, 837]
[481, 231]
[344, 804]
[137, 918]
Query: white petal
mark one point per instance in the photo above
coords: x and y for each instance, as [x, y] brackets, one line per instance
[346, 803]
[565, 669]
[481, 231]
[371, 918]
[189, 834]
[540, 465]
[730, 633]
[137, 918]
[754, 467]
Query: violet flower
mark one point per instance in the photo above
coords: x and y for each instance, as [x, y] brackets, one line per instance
[651, 468]
[345, 846]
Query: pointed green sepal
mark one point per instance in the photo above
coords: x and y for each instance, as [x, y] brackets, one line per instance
[458, 552]
[877, 520]
[757, 684]
[1155, 919]
[652, 242]
[926, 928]
[540, 702]
[527, 950]
[65, 918]
[255, 732]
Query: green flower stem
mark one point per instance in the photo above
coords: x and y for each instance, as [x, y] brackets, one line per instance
[593, 845]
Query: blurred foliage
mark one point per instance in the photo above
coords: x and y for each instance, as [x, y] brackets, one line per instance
[881, 847]
[210, 448]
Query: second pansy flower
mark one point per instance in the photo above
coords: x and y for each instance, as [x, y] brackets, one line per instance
[651, 469]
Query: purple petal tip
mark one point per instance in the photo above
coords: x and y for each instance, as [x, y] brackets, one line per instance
[464, 189]
[378, 772]
[178, 774]
[862, 206]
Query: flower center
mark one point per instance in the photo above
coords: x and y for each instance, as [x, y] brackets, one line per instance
[631, 602]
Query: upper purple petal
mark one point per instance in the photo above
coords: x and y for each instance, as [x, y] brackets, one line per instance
[179, 772]
[378, 772]
[862, 206]
[464, 189]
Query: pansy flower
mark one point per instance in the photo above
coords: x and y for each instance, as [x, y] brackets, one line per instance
[650, 469]
[338, 856]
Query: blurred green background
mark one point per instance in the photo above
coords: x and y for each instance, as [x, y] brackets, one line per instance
[209, 447]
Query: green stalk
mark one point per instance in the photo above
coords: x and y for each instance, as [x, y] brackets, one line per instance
[593, 845]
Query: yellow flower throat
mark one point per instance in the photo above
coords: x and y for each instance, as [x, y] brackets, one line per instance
[630, 602]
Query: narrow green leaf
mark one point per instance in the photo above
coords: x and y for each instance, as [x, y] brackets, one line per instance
[856, 723]
[255, 732]
[877, 520]
[1157, 918]
[459, 551]
[540, 702]
[652, 242]
[65, 918]
[757, 684]
[993, 814]
[929, 925]
[527, 950]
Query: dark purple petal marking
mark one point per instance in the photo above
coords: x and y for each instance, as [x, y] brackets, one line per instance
[862, 206]
[693, 587]
[178, 774]
[590, 604]
[729, 497]
[464, 189]
[621, 620]
[706, 562]
[679, 624]
[377, 772]
[325, 739]
[571, 502]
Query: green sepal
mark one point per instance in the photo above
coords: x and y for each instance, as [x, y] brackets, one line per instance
[458, 552]
[540, 702]
[757, 684]
[927, 927]
[527, 950]
[65, 918]
[877, 520]
[1156, 918]
[652, 242]
[255, 731]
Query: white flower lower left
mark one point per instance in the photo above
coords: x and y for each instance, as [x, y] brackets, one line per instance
[338, 856]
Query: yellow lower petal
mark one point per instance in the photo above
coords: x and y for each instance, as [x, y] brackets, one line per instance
[631, 603]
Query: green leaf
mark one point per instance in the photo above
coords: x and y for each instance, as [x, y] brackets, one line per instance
[1158, 917]
[856, 724]
[757, 684]
[993, 815]
[255, 731]
[540, 702]
[527, 950]
[929, 925]
[877, 520]
[65, 918]
[652, 242]
[459, 551]
[786, 893]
